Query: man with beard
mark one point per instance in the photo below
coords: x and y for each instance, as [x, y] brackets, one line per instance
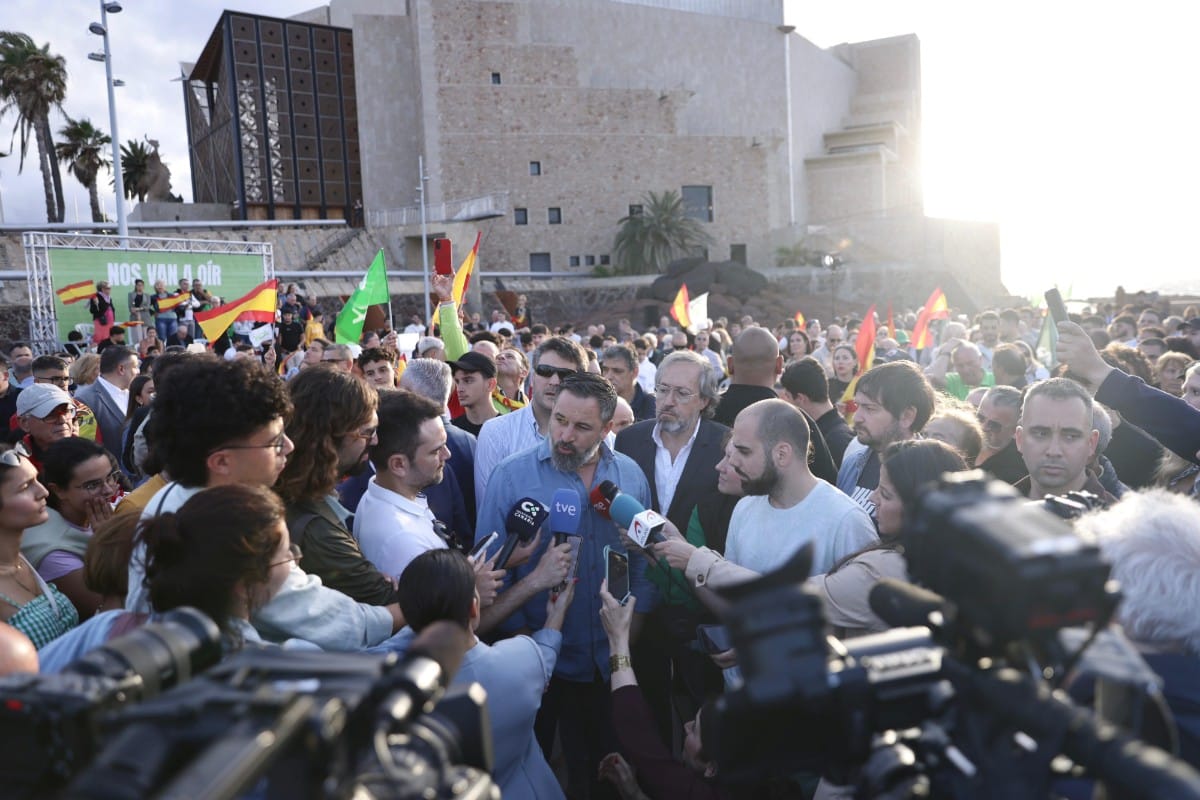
[553, 361]
[333, 427]
[894, 403]
[998, 414]
[574, 456]
[786, 506]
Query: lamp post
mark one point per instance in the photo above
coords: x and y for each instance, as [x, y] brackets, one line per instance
[424, 245]
[833, 263]
[101, 29]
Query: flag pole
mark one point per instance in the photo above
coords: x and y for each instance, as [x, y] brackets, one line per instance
[424, 246]
[391, 322]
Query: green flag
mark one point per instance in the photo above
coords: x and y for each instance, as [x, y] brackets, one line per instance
[371, 291]
[1047, 343]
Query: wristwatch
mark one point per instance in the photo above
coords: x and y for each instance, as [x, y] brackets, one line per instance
[619, 662]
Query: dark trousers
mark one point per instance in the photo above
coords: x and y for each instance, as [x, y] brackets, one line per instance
[581, 714]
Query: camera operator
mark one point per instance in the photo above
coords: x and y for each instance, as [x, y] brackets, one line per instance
[440, 585]
[659, 772]
[1153, 541]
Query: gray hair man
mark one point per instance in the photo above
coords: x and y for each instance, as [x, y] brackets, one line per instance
[998, 415]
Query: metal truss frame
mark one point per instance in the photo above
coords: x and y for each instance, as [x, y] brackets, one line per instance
[43, 324]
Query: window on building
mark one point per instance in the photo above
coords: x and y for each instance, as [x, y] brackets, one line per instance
[589, 261]
[495, 78]
[635, 210]
[555, 216]
[521, 216]
[539, 262]
[737, 252]
[535, 168]
[697, 202]
[604, 261]
[573, 261]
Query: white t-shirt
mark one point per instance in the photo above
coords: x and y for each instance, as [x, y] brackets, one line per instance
[763, 538]
[392, 530]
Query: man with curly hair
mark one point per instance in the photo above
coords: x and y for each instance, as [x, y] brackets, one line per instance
[333, 425]
[218, 422]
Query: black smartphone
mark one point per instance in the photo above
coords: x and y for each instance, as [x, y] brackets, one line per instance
[714, 638]
[616, 570]
[1056, 306]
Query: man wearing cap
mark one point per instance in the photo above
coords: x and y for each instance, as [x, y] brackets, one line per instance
[474, 381]
[46, 414]
[54, 370]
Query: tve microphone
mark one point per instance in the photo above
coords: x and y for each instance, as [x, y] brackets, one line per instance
[903, 605]
[566, 509]
[602, 496]
[642, 523]
[521, 526]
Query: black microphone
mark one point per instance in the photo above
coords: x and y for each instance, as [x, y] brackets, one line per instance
[601, 497]
[520, 527]
[902, 605]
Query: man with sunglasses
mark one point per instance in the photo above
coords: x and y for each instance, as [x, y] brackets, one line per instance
[46, 414]
[555, 359]
[998, 415]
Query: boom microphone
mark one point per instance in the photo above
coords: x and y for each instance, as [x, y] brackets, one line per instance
[520, 527]
[903, 605]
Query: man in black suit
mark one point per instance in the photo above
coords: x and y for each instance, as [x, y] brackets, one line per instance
[678, 451]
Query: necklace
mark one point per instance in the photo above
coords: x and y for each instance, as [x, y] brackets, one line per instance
[14, 573]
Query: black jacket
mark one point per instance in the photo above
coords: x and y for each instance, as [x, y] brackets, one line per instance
[740, 395]
[1169, 419]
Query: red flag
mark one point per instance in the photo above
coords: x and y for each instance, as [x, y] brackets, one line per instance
[800, 320]
[84, 290]
[935, 308]
[679, 308]
[891, 322]
[864, 345]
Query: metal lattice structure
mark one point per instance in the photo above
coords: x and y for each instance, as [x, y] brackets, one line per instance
[43, 324]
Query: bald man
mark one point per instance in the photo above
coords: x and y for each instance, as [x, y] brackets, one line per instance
[754, 365]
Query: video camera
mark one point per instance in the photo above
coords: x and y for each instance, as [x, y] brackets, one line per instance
[942, 712]
[274, 722]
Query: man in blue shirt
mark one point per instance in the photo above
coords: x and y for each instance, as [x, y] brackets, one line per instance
[574, 456]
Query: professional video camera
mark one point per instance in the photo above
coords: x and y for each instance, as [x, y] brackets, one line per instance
[298, 724]
[943, 712]
[49, 723]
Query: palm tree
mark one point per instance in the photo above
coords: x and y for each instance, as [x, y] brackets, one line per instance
[82, 150]
[32, 82]
[135, 157]
[663, 231]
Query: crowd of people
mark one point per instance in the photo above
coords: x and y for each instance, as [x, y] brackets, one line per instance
[312, 494]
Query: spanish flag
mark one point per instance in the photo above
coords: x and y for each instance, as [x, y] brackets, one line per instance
[800, 320]
[84, 290]
[462, 278]
[258, 305]
[864, 348]
[679, 308]
[168, 303]
[935, 307]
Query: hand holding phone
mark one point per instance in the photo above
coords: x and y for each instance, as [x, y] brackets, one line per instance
[1056, 306]
[616, 572]
[480, 548]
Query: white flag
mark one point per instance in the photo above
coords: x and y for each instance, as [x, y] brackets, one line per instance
[698, 313]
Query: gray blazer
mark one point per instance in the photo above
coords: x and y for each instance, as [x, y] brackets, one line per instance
[110, 418]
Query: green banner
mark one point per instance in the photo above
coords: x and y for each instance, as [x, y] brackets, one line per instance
[223, 275]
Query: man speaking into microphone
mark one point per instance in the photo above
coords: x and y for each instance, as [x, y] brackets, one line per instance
[561, 472]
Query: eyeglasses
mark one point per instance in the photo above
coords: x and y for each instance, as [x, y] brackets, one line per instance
[10, 458]
[366, 434]
[57, 380]
[62, 412]
[547, 371]
[278, 444]
[680, 394]
[294, 556]
[110, 481]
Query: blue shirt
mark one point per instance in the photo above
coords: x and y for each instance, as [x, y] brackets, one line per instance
[531, 473]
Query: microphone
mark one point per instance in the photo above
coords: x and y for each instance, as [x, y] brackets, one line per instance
[602, 496]
[642, 523]
[565, 512]
[520, 527]
[903, 605]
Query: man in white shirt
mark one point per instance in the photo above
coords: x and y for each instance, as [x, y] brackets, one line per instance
[786, 506]
[393, 523]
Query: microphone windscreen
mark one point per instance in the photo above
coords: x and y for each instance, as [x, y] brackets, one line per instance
[608, 489]
[903, 605]
[565, 512]
[525, 517]
[623, 509]
[600, 502]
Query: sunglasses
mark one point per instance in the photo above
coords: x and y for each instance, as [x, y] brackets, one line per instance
[10, 458]
[547, 371]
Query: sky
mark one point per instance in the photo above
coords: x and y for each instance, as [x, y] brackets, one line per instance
[1069, 124]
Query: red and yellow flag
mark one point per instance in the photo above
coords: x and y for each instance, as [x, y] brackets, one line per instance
[167, 303]
[800, 320]
[864, 348]
[935, 307]
[259, 305]
[891, 322]
[84, 290]
[679, 308]
[462, 278]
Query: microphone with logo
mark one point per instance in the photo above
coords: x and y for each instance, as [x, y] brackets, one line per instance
[601, 497]
[565, 512]
[643, 524]
[520, 527]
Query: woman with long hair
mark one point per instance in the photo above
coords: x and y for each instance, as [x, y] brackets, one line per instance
[905, 470]
[845, 366]
[82, 478]
[798, 346]
[27, 601]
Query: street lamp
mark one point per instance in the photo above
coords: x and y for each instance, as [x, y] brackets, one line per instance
[424, 245]
[101, 29]
[833, 263]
